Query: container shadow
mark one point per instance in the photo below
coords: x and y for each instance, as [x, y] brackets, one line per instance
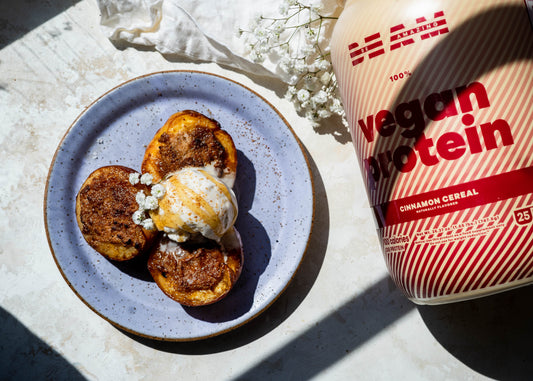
[491, 335]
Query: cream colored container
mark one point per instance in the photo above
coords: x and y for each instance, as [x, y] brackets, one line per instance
[438, 96]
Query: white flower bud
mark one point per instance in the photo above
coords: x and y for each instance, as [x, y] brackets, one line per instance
[148, 224]
[283, 9]
[158, 191]
[300, 67]
[320, 98]
[325, 78]
[336, 107]
[324, 64]
[293, 80]
[303, 95]
[134, 178]
[150, 203]
[138, 217]
[256, 57]
[146, 179]
[140, 197]
[323, 113]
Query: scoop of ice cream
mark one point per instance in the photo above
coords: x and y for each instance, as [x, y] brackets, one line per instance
[194, 202]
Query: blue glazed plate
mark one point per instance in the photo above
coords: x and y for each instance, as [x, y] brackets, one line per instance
[273, 186]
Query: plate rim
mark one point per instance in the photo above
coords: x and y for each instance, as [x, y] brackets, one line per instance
[53, 163]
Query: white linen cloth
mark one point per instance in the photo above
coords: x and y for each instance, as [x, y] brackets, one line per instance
[204, 30]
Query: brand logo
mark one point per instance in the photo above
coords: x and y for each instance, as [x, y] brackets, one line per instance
[399, 36]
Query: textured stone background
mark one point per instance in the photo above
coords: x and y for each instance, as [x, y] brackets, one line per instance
[340, 318]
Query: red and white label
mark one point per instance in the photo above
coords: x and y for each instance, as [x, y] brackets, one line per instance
[439, 107]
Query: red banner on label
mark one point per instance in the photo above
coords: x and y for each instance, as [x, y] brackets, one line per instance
[454, 198]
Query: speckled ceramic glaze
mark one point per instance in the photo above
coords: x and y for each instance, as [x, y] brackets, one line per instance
[273, 187]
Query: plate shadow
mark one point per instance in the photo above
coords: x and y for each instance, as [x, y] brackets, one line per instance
[257, 252]
[285, 304]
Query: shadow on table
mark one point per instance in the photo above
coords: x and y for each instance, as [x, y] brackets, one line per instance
[20, 17]
[491, 335]
[335, 336]
[23, 356]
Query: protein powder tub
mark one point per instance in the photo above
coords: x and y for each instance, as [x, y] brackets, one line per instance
[439, 99]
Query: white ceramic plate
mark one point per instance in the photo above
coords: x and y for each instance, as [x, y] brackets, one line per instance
[273, 186]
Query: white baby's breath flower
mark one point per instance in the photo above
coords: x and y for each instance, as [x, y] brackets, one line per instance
[146, 179]
[140, 197]
[323, 64]
[312, 83]
[138, 217]
[323, 113]
[325, 77]
[150, 203]
[283, 8]
[296, 42]
[311, 35]
[291, 93]
[336, 106]
[293, 80]
[256, 57]
[303, 95]
[300, 67]
[320, 98]
[278, 27]
[260, 33]
[134, 178]
[285, 64]
[148, 224]
[307, 49]
[158, 191]
[262, 47]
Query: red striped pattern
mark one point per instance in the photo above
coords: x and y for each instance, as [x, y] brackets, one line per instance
[463, 253]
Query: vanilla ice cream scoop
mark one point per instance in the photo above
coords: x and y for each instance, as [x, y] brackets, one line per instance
[194, 202]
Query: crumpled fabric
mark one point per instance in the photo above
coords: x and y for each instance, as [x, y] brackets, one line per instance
[204, 30]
